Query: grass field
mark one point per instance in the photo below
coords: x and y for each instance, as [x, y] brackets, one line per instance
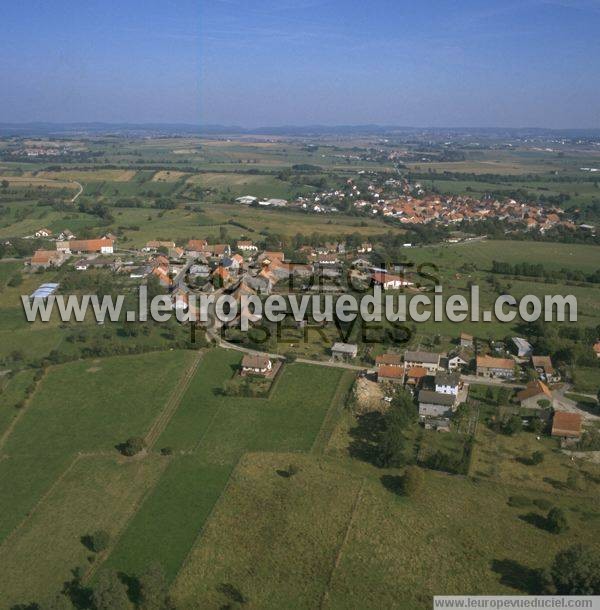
[208, 434]
[337, 538]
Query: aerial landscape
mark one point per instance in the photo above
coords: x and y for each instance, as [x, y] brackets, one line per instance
[189, 419]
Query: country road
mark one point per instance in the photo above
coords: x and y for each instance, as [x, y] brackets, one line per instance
[78, 192]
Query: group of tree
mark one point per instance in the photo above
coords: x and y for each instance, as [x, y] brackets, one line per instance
[401, 414]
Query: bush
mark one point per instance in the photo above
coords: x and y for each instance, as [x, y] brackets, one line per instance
[543, 504]
[537, 457]
[412, 481]
[557, 521]
[166, 451]
[519, 501]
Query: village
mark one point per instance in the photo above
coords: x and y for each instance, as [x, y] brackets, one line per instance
[438, 381]
[374, 195]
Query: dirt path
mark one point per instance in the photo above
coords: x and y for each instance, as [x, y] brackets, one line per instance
[160, 423]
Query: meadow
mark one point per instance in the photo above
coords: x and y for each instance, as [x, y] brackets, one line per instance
[67, 478]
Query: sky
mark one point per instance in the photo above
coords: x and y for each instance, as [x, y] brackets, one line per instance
[465, 63]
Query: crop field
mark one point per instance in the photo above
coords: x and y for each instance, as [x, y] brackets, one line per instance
[91, 175]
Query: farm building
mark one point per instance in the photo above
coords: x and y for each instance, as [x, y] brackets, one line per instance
[388, 360]
[256, 364]
[487, 366]
[390, 373]
[435, 404]
[566, 426]
[42, 259]
[343, 351]
[545, 369]
[427, 360]
[534, 392]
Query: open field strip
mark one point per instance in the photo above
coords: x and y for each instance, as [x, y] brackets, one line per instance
[174, 400]
[208, 434]
[94, 493]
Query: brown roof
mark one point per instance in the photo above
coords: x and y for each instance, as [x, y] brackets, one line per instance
[44, 256]
[534, 388]
[466, 336]
[389, 359]
[255, 361]
[197, 245]
[90, 245]
[393, 372]
[417, 372]
[542, 362]
[566, 424]
[488, 362]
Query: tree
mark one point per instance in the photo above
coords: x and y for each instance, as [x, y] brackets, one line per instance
[557, 521]
[391, 447]
[512, 425]
[153, 589]
[412, 481]
[5, 184]
[133, 446]
[15, 280]
[98, 540]
[59, 602]
[576, 571]
[110, 593]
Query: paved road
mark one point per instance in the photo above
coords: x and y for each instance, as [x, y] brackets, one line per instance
[246, 350]
[491, 381]
[562, 403]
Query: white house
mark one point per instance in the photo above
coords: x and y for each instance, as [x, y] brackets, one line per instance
[447, 383]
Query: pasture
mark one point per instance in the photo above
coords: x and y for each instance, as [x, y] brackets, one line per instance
[334, 536]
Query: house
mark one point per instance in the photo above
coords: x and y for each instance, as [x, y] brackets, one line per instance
[534, 392]
[545, 369]
[365, 248]
[153, 246]
[389, 281]
[566, 426]
[459, 360]
[276, 203]
[246, 199]
[65, 235]
[427, 360]
[435, 404]
[195, 247]
[466, 340]
[596, 349]
[43, 233]
[246, 246]
[390, 373]
[389, 360]
[82, 264]
[343, 351]
[487, 366]
[218, 250]
[521, 347]
[327, 259]
[447, 383]
[415, 376]
[80, 246]
[42, 259]
[256, 364]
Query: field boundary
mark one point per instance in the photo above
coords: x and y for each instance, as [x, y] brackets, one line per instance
[200, 534]
[338, 556]
[41, 499]
[335, 408]
[173, 402]
[136, 506]
[17, 418]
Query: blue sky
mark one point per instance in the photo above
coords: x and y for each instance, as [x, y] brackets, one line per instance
[275, 62]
